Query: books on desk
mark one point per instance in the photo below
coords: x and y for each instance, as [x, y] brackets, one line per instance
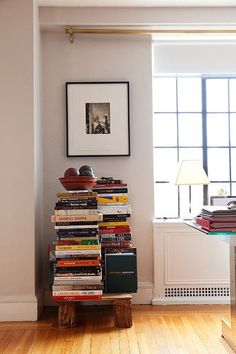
[217, 218]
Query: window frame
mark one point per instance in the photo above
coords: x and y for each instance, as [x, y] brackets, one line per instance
[204, 147]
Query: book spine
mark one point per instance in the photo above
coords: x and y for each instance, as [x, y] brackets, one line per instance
[77, 247]
[115, 239]
[108, 180]
[116, 235]
[72, 218]
[112, 199]
[114, 223]
[79, 263]
[69, 253]
[109, 185]
[76, 298]
[203, 222]
[111, 191]
[69, 195]
[114, 209]
[70, 212]
[78, 241]
[58, 282]
[78, 287]
[57, 227]
[69, 206]
[114, 218]
[76, 292]
[87, 278]
[77, 232]
[117, 244]
[114, 229]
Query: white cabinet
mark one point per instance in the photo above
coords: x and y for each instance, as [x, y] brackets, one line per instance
[189, 266]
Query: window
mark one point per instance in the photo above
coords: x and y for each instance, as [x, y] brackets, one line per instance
[194, 118]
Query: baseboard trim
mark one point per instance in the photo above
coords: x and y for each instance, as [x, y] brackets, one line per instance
[144, 294]
[192, 301]
[19, 309]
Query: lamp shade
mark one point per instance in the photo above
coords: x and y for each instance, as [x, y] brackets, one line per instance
[190, 172]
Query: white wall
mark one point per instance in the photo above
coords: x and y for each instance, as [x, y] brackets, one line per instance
[17, 259]
[106, 58]
[195, 57]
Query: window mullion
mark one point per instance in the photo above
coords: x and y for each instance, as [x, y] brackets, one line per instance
[229, 129]
[204, 139]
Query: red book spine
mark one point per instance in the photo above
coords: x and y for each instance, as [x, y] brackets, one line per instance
[114, 229]
[79, 263]
[76, 297]
[203, 222]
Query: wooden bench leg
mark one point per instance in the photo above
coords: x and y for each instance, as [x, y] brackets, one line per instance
[66, 315]
[122, 313]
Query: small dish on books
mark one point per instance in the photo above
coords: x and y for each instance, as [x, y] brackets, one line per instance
[78, 182]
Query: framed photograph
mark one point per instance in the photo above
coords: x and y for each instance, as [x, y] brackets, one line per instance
[97, 118]
[229, 201]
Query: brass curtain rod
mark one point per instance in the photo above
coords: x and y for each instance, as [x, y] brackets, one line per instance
[71, 31]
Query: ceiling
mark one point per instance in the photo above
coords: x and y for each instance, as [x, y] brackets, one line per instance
[139, 3]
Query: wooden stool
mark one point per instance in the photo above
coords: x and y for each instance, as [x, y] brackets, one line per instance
[122, 310]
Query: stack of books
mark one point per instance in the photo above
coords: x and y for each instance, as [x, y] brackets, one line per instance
[119, 264]
[217, 219]
[112, 198]
[77, 271]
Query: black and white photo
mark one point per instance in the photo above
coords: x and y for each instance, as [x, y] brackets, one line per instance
[98, 118]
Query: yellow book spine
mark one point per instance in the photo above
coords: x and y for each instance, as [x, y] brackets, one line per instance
[77, 247]
[113, 199]
[114, 223]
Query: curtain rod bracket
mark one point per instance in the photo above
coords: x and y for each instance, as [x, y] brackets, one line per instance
[69, 30]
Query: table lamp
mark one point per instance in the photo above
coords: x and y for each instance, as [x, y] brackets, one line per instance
[190, 172]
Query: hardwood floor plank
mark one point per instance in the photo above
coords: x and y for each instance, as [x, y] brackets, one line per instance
[114, 339]
[143, 344]
[133, 341]
[123, 341]
[159, 335]
[96, 338]
[142, 332]
[40, 343]
[78, 339]
[174, 336]
[51, 341]
[5, 340]
[57, 345]
[23, 343]
[11, 342]
[198, 343]
[87, 338]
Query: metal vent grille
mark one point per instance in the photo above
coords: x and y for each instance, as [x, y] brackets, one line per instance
[197, 292]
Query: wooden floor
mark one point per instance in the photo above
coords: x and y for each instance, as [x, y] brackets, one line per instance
[156, 329]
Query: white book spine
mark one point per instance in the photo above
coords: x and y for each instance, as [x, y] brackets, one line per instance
[76, 292]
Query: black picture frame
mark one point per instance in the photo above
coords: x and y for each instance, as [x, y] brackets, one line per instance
[97, 119]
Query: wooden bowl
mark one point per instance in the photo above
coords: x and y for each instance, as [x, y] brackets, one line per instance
[78, 182]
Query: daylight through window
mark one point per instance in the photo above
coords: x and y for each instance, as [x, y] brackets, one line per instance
[194, 118]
